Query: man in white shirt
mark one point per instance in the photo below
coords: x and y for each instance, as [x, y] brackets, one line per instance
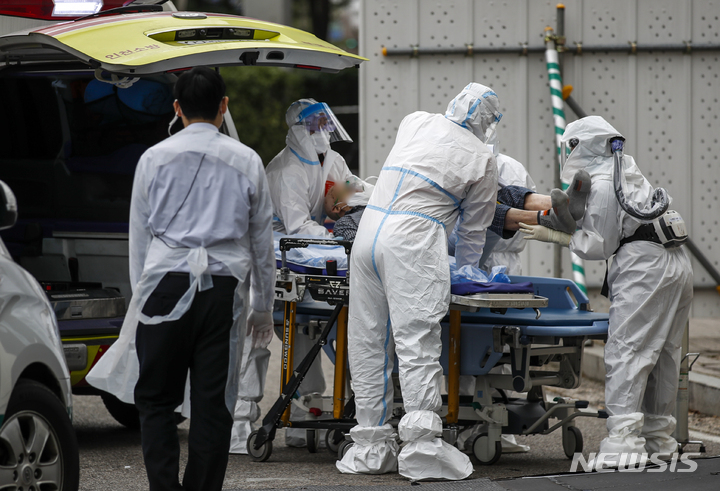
[200, 239]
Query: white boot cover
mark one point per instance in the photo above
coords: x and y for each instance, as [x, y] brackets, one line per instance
[426, 456]
[658, 431]
[375, 451]
[510, 445]
[623, 438]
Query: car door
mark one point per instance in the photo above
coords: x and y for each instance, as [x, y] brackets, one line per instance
[148, 43]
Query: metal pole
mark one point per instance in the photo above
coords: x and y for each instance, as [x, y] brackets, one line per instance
[560, 37]
[523, 49]
[340, 365]
[559, 40]
[454, 368]
[575, 107]
[704, 261]
[682, 430]
[551, 59]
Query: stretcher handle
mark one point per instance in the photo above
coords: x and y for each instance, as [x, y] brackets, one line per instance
[271, 421]
[288, 243]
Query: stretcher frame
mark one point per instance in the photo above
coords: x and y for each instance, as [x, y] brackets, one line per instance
[291, 288]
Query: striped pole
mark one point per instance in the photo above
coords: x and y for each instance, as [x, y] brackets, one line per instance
[553, 68]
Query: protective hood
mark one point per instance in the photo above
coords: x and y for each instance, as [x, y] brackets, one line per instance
[298, 139]
[477, 109]
[593, 152]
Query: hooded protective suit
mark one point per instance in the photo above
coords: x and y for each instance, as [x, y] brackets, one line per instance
[507, 251]
[439, 171]
[297, 178]
[650, 291]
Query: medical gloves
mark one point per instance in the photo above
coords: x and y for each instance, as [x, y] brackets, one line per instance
[260, 325]
[544, 234]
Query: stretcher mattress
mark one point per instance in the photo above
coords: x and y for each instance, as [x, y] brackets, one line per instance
[567, 316]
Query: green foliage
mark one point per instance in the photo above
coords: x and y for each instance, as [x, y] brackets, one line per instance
[260, 96]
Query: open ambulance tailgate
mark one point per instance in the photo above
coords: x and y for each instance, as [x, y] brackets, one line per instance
[156, 42]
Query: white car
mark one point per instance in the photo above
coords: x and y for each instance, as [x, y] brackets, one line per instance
[38, 447]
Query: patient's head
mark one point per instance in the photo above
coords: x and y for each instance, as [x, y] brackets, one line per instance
[336, 200]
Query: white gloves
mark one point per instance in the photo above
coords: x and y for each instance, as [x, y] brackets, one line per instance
[544, 234]
[260, 325]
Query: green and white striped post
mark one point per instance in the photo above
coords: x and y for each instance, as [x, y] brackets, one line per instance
[553, 68]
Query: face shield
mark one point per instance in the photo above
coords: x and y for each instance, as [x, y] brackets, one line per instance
[319, 119]
[493, 143]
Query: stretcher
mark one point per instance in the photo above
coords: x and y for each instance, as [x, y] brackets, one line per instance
[538, 337]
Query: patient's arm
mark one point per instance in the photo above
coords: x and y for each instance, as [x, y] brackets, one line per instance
[518, 204]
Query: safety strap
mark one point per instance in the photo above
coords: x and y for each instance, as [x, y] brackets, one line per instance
[644, 232]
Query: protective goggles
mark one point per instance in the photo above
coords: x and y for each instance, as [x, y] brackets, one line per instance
[319, 117]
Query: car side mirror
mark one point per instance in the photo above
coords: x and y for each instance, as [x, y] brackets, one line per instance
[8, 207]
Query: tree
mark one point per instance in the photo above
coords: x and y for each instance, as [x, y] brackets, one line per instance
[320, 16]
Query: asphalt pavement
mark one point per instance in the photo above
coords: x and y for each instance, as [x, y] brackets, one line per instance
[111, 457]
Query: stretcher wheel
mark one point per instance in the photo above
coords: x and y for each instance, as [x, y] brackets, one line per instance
[312, 437]
[484, 451]
[572, 441]
[333, 439]
[344, 447]
[260, 454]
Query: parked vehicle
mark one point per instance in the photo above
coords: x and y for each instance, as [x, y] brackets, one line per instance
[38, 447]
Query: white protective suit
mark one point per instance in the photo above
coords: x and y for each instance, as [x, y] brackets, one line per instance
[297, 179]
[297, 187]
[226, 232]
[507, 251]
[250, 392]
[439, 171]
[650, 294]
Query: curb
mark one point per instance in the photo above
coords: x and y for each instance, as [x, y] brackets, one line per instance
[703, 390]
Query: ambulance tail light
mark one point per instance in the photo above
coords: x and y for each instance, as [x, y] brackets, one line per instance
[59, 10]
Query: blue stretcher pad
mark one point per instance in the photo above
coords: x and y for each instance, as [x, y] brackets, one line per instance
[565, 317]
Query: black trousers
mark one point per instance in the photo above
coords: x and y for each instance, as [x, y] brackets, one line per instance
[198, 341]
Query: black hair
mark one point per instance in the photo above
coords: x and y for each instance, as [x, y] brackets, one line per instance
[199, 92]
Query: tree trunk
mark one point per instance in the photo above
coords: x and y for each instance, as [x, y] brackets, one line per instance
[320, 14]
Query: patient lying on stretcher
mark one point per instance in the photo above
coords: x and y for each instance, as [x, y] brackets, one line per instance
[515, 205]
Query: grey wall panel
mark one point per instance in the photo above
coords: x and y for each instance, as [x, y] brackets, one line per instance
[606, 22]
[662, 21]
[500, 23]
[388, 85]
[705, 89]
